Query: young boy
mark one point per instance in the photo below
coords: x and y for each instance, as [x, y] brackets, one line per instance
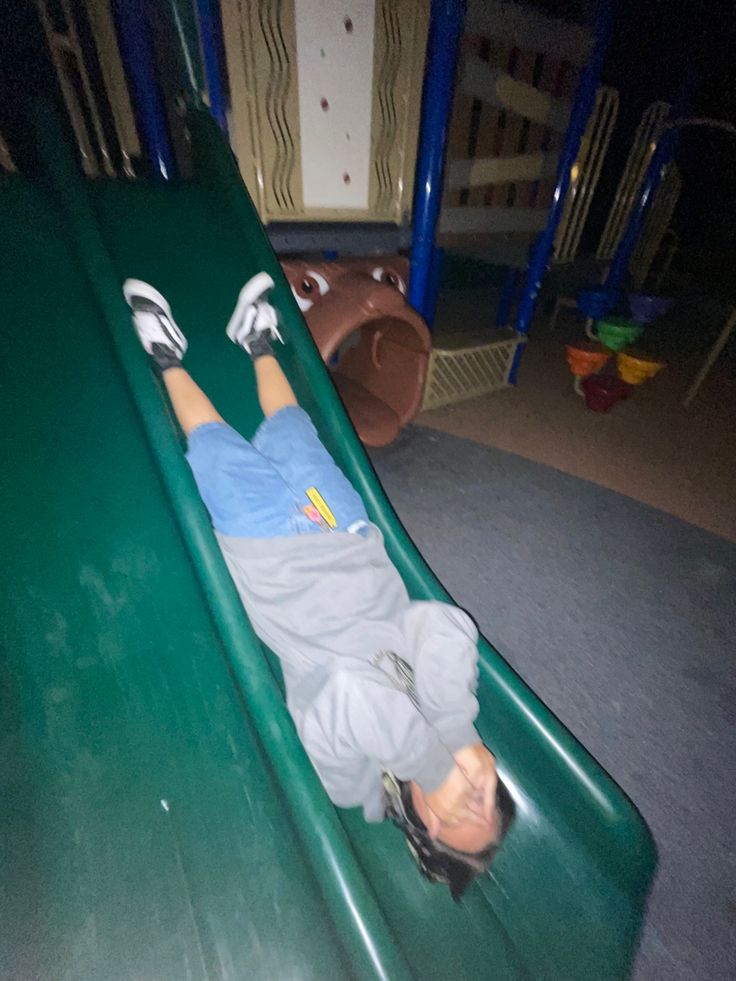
[381, 688]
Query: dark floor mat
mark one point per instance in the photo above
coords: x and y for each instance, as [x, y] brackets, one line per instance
[622, 619]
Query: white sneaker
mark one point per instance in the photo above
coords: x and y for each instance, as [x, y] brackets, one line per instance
[254, 317]
[153, 320]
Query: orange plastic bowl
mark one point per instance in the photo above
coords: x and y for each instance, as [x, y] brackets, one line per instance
[586, 357]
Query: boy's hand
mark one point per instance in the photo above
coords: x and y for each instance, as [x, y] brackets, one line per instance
[478, 765]
[453, 803]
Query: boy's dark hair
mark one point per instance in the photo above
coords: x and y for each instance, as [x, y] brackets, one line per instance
[439, 862]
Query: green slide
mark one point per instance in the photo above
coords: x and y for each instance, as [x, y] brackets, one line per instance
[159, 817]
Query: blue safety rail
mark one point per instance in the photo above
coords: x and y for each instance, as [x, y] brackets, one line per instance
[445, 31]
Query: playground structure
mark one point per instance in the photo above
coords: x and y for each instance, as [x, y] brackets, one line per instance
[334, 169]
[170, 801]
[328, 147]
[656, 239]
[324, 108]
[597, 303]
[516, 77]
[529, 128]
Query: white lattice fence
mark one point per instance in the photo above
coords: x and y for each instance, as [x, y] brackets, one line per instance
[456, 374]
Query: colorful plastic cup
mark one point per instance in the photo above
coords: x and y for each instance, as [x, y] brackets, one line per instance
[586, 357]
[602, 392]
[646, 308]
[617, 332]
[634, 367]
[595, 303]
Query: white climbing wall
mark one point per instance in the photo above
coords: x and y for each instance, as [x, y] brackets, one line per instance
[334, 42]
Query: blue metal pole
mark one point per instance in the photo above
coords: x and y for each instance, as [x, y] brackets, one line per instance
[445, 31]
[211, 57]
[136, 47]
[542, 249]
[433, 283]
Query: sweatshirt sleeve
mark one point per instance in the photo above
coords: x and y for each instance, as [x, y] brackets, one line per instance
[444, 643]
[358, 720]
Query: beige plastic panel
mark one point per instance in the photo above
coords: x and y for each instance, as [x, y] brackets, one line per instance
[467, 371]
[645, 140]
[529, 29]
[501, 90]
[498, 170]
[261, 51]
[489, 221]
[76, 87]
[585, 174]
[512, 103]
[101, 21]
[656, 225]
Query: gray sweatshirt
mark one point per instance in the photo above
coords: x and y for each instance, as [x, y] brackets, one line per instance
[336, 612]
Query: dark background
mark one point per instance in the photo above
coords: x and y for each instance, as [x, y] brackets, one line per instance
[656, 45]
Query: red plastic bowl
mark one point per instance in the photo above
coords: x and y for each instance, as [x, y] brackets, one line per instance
[602, 392]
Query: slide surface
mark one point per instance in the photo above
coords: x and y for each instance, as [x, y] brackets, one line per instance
[159, 816]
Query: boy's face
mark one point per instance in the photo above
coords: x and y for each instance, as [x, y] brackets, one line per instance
[465, 837]
[468, 837]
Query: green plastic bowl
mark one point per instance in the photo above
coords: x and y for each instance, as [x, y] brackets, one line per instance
[616, 332]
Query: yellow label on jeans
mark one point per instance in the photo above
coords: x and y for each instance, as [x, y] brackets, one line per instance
[319, 502]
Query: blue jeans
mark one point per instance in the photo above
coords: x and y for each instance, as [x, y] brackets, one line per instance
[266, 488]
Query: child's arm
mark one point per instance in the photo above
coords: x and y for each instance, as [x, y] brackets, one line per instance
[358, 719]
[444, 641]
[444, 644]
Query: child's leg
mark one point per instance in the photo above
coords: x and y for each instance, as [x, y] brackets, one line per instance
[288, 439]
[163, 340]
[274, 390]
[253, 326]
[191, 406]
[244, 493]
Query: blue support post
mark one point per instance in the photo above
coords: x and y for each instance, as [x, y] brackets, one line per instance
[136, 48]
[542, 249]
[211, 58]
[433, 283]
[445, 31]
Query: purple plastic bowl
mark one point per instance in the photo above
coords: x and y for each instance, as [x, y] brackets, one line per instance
[645, 308]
